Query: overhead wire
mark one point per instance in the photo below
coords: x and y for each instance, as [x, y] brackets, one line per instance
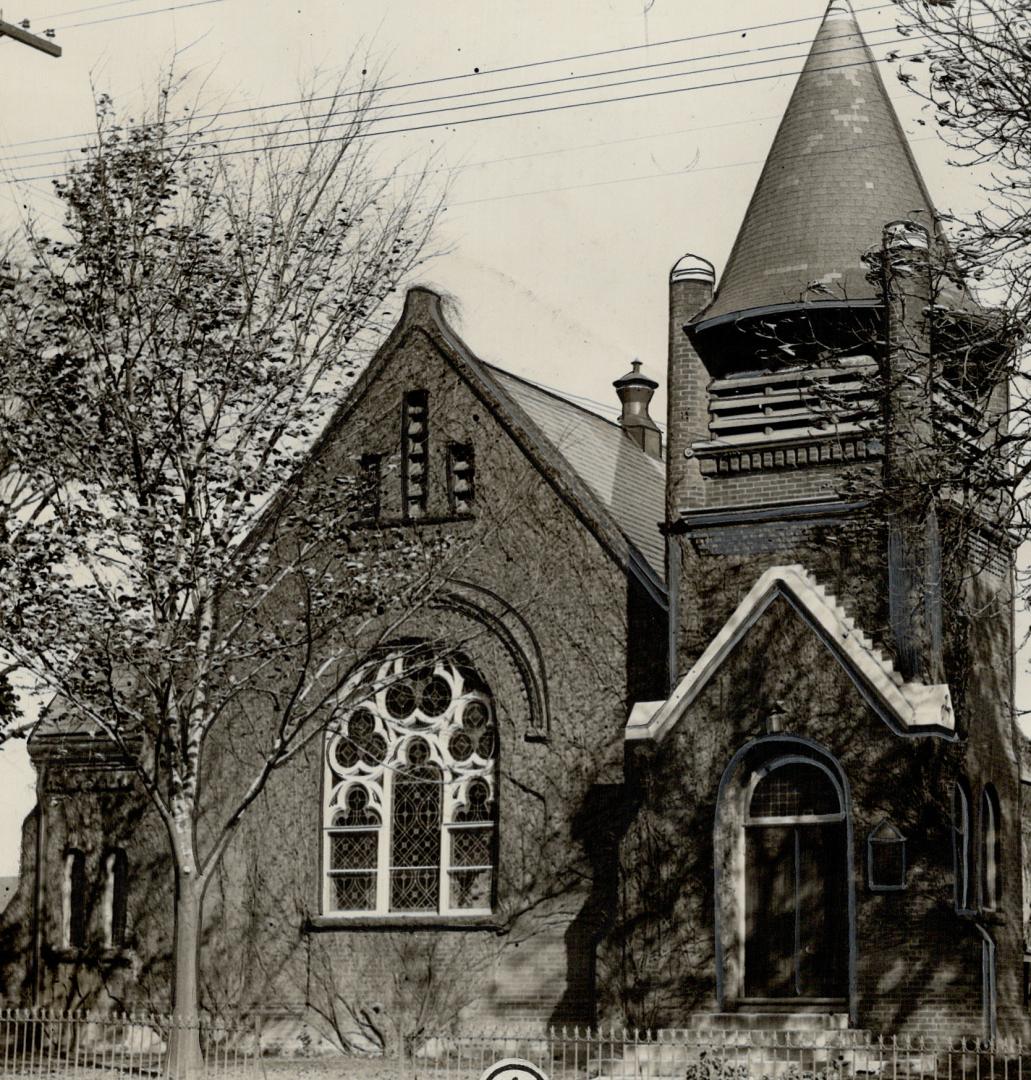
[137, 14]
[501, 89]
[82, 10]
[476, 74]
[524, 112]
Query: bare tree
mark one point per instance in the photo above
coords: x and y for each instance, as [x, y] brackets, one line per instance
[168, 362]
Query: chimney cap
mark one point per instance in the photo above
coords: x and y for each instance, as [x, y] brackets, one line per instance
[693, 268]
[635, 378]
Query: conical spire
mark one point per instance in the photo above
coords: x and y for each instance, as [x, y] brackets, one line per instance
[838, 170]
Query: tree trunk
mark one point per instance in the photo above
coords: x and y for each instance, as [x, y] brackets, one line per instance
[184, 1052]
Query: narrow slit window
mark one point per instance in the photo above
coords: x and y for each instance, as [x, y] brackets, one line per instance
[962, 848]
[415, 452]
[116, 886]
[991, 850]
[74, 889]
[461, 477]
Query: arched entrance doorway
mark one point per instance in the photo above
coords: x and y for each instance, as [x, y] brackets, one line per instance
[784, 895]
[796, 936]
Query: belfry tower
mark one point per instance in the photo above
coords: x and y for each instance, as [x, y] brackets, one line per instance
[837, 750]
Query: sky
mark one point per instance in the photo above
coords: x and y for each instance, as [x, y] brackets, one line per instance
[559, 226]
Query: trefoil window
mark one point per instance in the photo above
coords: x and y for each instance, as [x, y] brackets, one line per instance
[410, 812]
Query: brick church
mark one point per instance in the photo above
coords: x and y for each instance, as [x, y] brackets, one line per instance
[725, 725]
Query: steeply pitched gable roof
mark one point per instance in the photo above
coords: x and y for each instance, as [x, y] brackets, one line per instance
[630, 484]
[839, 169]
[606, 478]
[909, 707]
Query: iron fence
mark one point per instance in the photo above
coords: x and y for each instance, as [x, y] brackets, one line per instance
[716, 1054]
[48, 1043]
[59, 1045]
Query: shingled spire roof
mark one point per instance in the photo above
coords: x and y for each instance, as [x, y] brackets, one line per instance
[838, 170]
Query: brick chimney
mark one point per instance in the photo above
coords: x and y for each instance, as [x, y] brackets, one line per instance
[635, 394]
[691, 283]
[914, 544]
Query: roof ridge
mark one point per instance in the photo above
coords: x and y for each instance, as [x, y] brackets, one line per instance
[558, 395]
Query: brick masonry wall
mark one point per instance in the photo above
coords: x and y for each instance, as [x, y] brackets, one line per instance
[558, 798]
[919, 963]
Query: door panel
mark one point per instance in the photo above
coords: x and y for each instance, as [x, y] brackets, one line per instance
[796, 911]
[770, 888]
[823, 907]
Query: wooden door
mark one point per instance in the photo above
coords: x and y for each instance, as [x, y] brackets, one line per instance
[796, 943]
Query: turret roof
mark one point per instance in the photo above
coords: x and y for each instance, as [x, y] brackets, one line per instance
[838, 170]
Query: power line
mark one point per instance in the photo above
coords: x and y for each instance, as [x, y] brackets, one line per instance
[502, 89]
[524, 112]
[138, 14]
[517, 113]
[92, 7]
[468, 75]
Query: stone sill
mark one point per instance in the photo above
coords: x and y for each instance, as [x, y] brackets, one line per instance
[92, 956]
[363, 923]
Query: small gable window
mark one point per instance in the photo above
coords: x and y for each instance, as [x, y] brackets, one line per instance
[414, 452]
[991, 850]
[460, 477]
[73, 931]
[962, 849]
[886, 858]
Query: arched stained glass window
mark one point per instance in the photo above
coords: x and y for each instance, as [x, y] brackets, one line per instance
[410, 815]
[991, 869]
[962, 849]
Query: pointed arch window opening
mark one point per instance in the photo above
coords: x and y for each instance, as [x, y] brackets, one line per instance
[116, 888]
[962, 848]
[73, 930]
[409, 817]
[991, 851]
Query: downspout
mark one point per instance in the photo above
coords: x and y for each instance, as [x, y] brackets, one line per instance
[37, 890]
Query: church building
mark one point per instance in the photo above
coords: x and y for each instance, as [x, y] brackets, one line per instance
[700, 728]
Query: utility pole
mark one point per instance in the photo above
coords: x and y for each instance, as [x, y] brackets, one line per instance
[34, 41]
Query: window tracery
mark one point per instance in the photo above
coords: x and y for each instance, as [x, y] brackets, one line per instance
[410, 812]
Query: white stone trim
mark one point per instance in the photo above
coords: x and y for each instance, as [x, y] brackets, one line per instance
[913, 707]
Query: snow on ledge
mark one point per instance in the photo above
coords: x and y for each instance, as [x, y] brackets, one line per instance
[908, 707]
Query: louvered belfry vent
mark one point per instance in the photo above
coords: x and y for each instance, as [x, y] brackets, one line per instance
[796, 402]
